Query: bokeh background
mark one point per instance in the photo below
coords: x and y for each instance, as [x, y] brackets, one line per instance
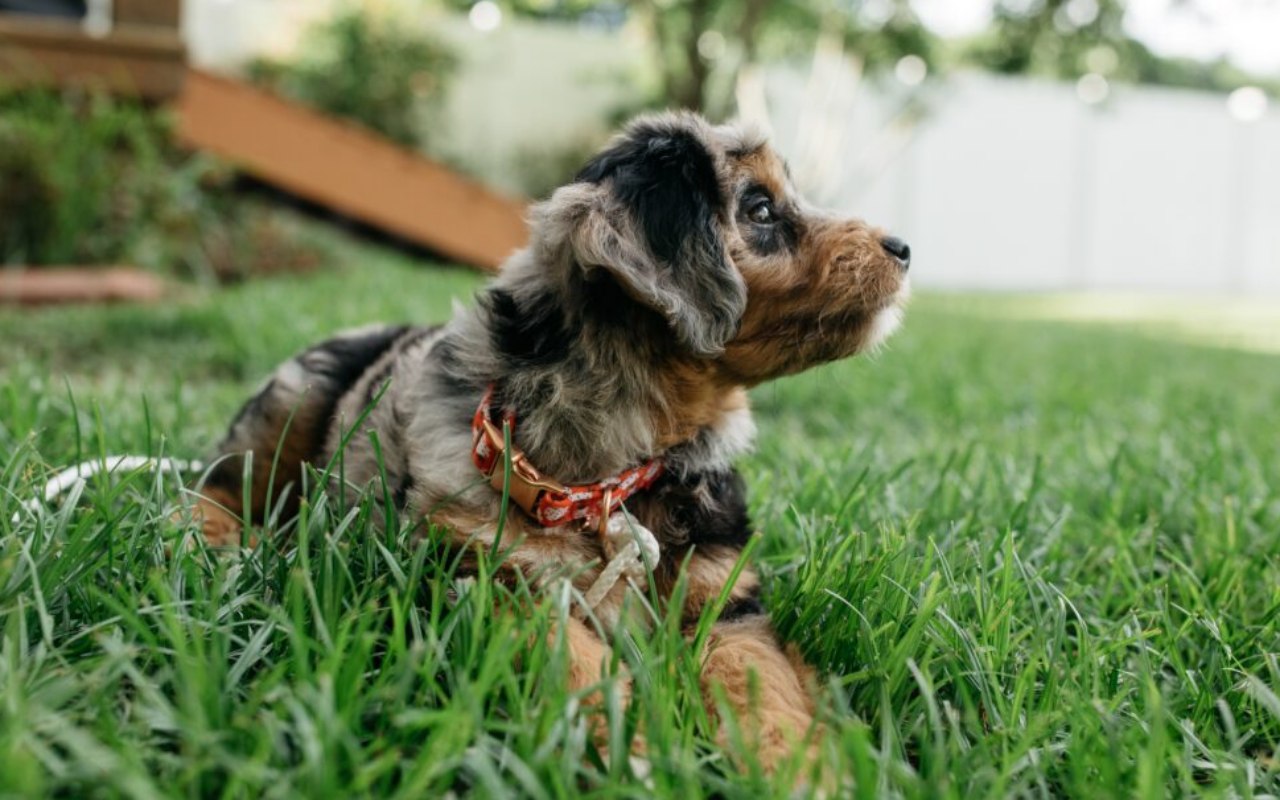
[1064, 145]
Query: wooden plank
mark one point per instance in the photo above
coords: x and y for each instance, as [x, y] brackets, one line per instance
[167, 13]
[344, 167]
[57, 285]
[146, 60]
[143, 40]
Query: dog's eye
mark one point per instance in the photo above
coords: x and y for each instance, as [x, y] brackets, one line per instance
[761, 212]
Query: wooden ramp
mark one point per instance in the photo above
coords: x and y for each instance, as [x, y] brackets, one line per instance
[341, 166]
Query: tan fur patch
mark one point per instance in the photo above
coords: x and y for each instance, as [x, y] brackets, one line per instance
[760, 683]
[765, 167]
[280, 448]
[588, 661]
[215, 512]
[697, 397]
[707, 574]
[539, 554]
[819, 307]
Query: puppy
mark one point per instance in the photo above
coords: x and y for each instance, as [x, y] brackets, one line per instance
[679, 269]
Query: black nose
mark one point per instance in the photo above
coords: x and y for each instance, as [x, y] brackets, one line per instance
[897, 248]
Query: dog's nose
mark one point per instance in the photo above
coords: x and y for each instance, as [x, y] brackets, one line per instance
[900, 250]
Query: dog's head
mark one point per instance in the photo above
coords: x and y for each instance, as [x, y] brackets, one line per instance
[701, 225]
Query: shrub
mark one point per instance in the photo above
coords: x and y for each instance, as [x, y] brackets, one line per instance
[368, 68]
[88, 179]
[28, 198]
[540, 169]
[78, 176]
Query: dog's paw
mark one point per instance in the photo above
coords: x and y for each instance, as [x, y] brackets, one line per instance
[219, 526]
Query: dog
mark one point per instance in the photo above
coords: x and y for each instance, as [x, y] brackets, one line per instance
[679, 269]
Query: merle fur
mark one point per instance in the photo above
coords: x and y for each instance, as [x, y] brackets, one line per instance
[533, 334]
[667, 179]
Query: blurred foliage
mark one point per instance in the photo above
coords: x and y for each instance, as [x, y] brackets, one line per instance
[373, 68]
[1055, 38]
[28, 199]
[89, 179]
[699, 46]
[1069, 38]
[541, 168]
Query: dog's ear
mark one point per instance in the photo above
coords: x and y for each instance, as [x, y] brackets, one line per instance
[663, 177]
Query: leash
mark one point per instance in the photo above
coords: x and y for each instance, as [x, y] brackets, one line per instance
[76, 476]
[631, 551]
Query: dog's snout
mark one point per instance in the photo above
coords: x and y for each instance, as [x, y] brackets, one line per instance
[900, 250]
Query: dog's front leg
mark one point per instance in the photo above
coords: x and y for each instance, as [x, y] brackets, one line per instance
[588, 656]
[767, 689]
[588, 669]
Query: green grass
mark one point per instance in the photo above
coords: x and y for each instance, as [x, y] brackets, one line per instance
[1032, 558]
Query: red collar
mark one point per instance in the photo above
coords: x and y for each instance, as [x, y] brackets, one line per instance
[549, 502]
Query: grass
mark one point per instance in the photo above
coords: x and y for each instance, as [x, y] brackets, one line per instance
[1031, 557]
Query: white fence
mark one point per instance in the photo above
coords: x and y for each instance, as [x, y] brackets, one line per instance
[1017, 184]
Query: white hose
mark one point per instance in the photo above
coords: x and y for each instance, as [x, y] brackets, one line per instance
[65, 480]
[630, 548]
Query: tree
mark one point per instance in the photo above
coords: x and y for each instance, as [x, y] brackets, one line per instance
[695, 36]
[1050, 37]
[699, 46]
[1068, 38]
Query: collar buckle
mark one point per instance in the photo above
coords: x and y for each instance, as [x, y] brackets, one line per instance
[527, 484]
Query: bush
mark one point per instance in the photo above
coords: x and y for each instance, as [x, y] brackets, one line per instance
[367, 68]
[88, 179]
[78, 176]
[29, 197]
[540, 169]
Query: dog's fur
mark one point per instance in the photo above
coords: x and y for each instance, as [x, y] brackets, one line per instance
[677, 270]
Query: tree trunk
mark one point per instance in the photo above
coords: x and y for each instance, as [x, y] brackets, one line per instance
[691, 93]
[684, 71]
[749, 28]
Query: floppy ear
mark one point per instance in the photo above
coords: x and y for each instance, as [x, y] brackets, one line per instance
[668, 252]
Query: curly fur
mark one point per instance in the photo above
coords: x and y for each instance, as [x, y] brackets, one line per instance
[656, 289]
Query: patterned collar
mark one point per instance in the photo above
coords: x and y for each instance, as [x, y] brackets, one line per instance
[550, 503]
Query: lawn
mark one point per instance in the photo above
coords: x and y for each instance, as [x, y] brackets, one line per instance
[1031, 558]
